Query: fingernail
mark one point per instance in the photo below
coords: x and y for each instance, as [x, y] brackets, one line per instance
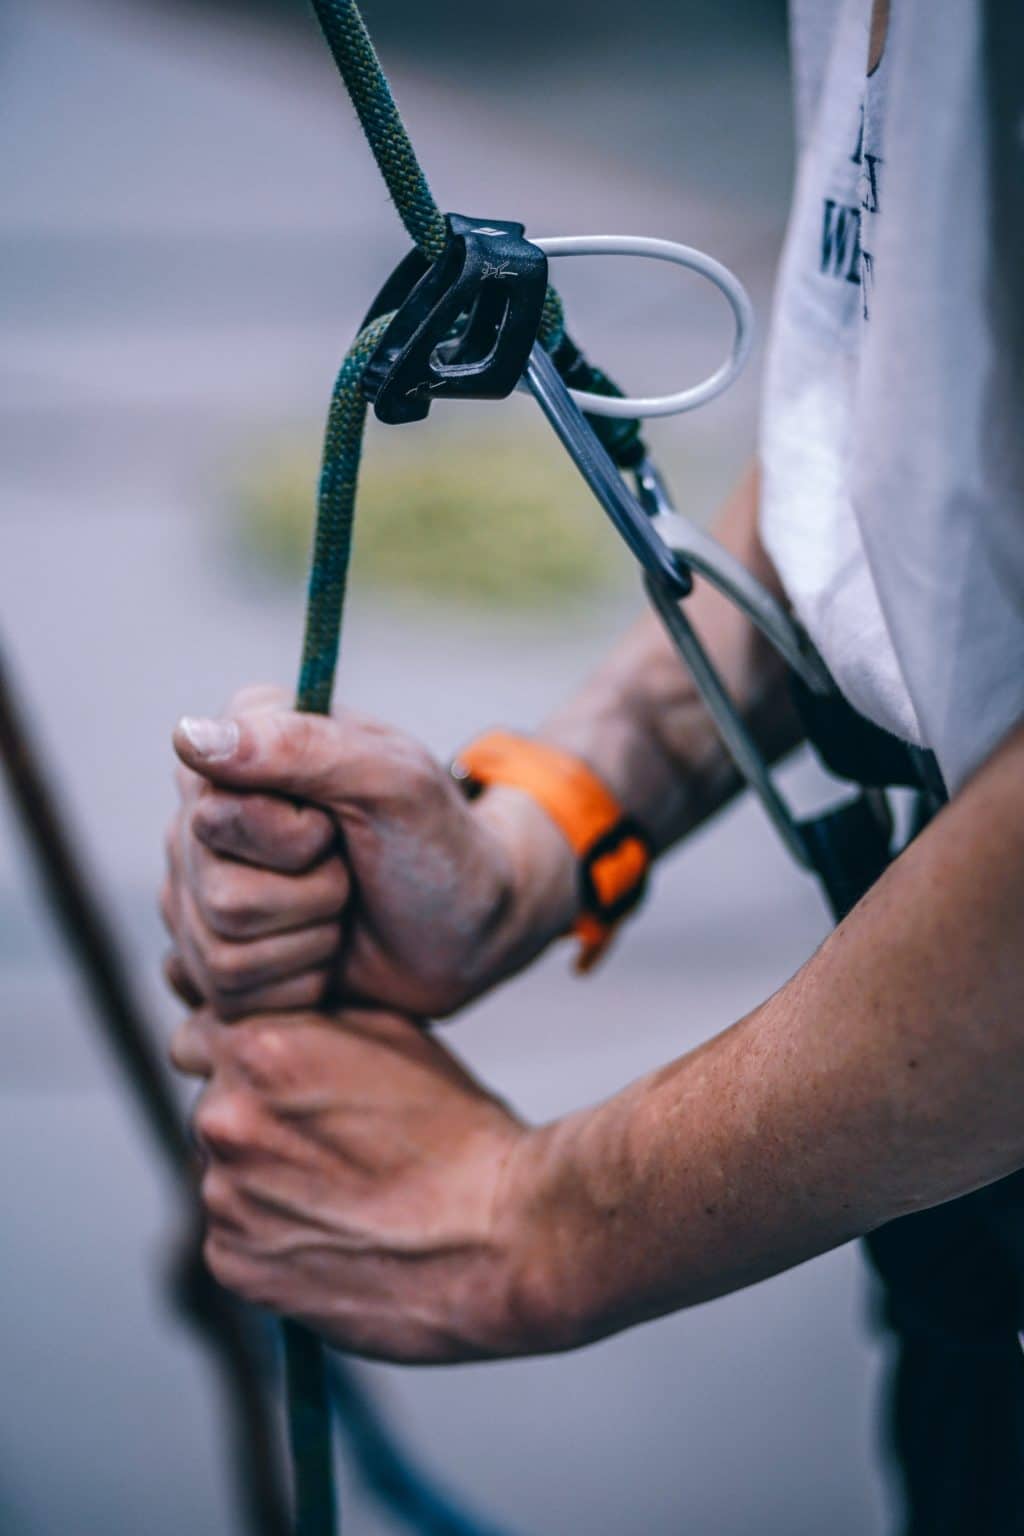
[212, 739]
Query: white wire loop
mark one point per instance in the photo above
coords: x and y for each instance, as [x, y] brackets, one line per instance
[727, 283]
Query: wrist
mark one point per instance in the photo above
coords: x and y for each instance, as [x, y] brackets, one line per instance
[542, 891]
[564, 1205]
[611, 850]
[616, 744]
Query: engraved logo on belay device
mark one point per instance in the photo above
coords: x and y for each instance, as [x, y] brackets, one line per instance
[424, 387]
[457, 330]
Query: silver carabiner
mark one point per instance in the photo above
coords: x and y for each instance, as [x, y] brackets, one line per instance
[668, 546]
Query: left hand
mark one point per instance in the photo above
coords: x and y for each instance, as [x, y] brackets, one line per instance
[357, 1179]
[315, 857]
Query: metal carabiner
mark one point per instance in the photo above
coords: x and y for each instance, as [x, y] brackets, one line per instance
[667, 577]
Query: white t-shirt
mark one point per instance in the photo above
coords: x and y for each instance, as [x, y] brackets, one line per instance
[892, 435]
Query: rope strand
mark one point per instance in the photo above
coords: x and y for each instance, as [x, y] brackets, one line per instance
[354, 54]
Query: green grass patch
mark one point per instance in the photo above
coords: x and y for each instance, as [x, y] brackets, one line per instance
[497, 518]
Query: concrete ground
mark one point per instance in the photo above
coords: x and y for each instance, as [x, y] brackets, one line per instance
[188, 232]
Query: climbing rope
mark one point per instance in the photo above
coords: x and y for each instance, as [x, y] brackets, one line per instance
[389, 142]
[367, 86]
[360, 69]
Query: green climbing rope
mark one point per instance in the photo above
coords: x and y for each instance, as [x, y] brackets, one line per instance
[356, 58]
[332, 541]
[357, 61]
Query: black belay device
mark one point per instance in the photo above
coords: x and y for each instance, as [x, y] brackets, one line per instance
[463, 326]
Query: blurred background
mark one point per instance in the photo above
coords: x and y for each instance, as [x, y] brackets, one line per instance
[190, 229]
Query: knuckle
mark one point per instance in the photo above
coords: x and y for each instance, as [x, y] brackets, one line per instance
[228, 1268]
[167, 907]
[297, 743]
[230, 1006]
[325, 951]
[311, 990]
[261, 1053]
[171, 834]
[178, 1052]
[307, 835]
[191, 1047]
[418, 776]
[219, 1197]
[213, 815]
[240, 1273]
[396, 772]
[251, 825]
[226, 963]
[231, 823]
[227, 1121]
[225, 895]
[337, 883]
[279, 737]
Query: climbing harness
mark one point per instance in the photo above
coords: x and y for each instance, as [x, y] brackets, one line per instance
[469, 314]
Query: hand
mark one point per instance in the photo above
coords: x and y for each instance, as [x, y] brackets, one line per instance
[358, 1179]
[315, 856]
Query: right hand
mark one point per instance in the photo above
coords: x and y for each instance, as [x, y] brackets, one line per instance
[315, 856]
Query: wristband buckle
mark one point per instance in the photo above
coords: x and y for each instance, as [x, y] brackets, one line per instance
[613, 871]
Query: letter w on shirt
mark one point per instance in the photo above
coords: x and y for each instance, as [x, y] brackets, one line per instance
[840, 241]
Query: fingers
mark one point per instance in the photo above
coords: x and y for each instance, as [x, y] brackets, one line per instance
[191, 1047]
[249, 939]
[311, 757]
[284, 970]
[264, 830]
[307, 990]
[248, 1057]
[350, 1170]
[180, 982]
[239, 902]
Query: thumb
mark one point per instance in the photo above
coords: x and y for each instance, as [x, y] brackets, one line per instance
[309, 757]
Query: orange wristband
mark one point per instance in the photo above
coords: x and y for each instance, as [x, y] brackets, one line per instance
[614, 852]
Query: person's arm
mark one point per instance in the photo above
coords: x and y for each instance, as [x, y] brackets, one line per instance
[449, 896]
[358, 1178]
[885, 1077]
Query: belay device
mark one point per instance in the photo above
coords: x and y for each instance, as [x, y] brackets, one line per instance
[463, 327]
[469, 314]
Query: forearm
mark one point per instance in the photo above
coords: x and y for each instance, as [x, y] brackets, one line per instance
[887, 1076]
[640, 724]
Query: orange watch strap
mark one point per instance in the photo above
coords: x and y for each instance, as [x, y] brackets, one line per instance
[613, 850]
